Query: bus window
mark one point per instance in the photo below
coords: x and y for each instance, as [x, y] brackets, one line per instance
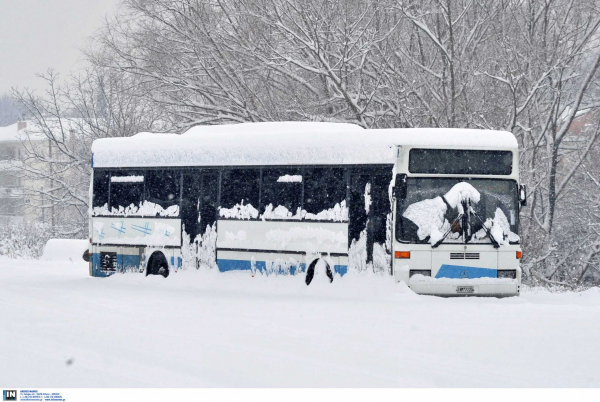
[100, 189]
[126, 188]
[162, 187]
[323, 189]
[460, 161]
[281, 193]
[239, 187]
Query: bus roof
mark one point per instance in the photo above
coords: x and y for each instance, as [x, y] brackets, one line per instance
[285, 143]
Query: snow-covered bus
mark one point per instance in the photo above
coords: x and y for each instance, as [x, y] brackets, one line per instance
[435, 208]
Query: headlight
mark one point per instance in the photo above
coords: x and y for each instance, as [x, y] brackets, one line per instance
[507, 273]
[419, 272]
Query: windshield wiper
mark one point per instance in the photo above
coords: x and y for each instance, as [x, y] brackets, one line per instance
[467, 207]
[447, 232]
[487, 230]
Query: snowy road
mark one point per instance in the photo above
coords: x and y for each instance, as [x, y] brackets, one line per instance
[62, 328]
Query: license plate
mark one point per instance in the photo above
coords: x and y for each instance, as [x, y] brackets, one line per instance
[465, 289]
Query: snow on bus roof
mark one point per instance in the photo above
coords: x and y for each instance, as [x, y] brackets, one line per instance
[284, 143]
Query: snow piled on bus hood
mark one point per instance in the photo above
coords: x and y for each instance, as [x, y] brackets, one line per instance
[283, 143]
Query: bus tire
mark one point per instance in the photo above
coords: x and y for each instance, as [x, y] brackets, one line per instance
[157, 265]
[310, 272]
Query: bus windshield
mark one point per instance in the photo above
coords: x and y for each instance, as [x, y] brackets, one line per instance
[430, 210]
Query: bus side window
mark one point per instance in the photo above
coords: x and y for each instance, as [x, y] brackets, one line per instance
[126, 188]
[100, 189]
[323, 189]
[240, 186]
[281, 188]
[162, 187]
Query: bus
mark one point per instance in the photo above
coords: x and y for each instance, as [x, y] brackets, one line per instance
[435, 208]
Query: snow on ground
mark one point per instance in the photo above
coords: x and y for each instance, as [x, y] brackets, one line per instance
[62, 328]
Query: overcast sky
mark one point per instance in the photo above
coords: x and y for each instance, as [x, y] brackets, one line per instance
[38, 34]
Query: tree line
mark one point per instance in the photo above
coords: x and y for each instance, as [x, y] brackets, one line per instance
[525, 66]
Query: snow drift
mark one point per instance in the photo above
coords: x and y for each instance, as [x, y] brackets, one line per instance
[65, 250]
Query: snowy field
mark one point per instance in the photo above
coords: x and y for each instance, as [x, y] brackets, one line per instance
[62, 328]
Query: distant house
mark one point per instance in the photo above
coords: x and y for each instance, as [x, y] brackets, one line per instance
[13, 203]
[585, 121]
[578, 137]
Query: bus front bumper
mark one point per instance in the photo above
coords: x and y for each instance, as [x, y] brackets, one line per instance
[465, 287]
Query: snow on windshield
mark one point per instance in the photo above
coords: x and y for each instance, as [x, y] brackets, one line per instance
[431, 204]
[500, 229]
[429, 215]
[459, 193]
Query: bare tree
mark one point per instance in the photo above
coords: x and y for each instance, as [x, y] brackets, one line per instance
[549, 62]
[526, 66]
[64, 123]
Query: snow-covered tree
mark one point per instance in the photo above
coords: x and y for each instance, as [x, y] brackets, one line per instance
[526, 66]
[64, 122]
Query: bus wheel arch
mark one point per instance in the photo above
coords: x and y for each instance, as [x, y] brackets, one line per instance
[157, 264]
[310, 272]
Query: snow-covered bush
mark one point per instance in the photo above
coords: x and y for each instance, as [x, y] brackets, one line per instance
[23, 240]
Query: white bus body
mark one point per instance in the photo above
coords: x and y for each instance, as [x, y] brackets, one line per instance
[454, 267]
[277, 197]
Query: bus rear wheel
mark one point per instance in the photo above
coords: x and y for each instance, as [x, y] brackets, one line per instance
[310, 272]
[157, 265]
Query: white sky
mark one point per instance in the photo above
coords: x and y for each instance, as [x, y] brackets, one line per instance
[39, 34]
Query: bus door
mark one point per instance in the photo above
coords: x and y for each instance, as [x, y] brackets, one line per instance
[370, 209]
[198, 214]
[207, 216]
[208, 201]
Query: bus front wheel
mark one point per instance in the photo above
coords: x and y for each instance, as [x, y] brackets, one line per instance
[310, 272]
[157, 265]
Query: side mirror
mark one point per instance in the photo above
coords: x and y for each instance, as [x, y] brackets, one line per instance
[400, 186]
[523, 195]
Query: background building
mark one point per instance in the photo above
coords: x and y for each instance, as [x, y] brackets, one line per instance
[15, 206]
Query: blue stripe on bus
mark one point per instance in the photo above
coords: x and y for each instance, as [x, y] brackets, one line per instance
[96, 266]
[246, 265]
[125, 261]
[462, 272]
[129, 261]
[340, 269]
